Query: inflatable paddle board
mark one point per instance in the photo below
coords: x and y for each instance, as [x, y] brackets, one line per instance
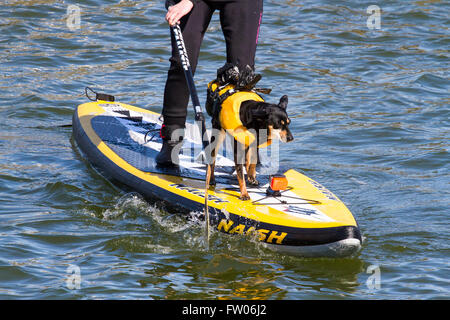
[306, 219]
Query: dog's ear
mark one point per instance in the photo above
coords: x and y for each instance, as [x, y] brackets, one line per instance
[283, 102]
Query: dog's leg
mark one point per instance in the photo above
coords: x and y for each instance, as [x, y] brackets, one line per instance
[218, 140]
[241, 180]
[251, 160]
[238, 160]
[251, 175]
[247, 158]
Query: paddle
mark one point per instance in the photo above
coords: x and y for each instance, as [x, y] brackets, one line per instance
[199, 117]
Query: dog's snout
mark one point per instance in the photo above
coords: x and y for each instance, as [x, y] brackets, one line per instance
[289, 138]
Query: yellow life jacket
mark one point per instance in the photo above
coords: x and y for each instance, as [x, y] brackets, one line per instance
[229, 113]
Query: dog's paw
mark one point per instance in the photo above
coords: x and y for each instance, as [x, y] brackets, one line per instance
[244, 197]
[252, 181]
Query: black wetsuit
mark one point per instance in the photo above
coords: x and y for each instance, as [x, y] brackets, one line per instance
[240, 21]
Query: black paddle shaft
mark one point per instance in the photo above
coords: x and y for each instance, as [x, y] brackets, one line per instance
[199, 117]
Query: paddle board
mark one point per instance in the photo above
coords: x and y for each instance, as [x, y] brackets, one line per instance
[305, 220]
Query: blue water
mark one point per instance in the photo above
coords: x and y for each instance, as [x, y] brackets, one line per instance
[370, 115]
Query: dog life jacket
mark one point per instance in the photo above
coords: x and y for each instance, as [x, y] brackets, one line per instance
[229, 102]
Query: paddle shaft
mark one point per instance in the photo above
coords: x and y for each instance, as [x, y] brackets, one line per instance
[199, 117]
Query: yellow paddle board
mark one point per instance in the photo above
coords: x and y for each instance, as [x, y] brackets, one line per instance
[305, 220]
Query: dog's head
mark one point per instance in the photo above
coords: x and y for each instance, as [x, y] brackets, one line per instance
[278, 120]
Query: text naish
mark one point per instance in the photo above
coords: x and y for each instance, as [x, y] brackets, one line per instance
[268, 236]
[198, 192]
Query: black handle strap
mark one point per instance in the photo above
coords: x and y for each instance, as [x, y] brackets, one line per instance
[98, 96]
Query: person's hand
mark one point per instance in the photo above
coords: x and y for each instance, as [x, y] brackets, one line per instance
[176, 12]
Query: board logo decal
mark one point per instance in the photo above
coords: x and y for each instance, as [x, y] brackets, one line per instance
[269, 236]
[323, 190]
[198, 192]
[299, 210]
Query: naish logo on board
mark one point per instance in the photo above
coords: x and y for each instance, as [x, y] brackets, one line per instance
[324, 190]
[269, 236]
[198, 192]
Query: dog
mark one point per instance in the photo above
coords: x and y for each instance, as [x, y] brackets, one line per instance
[256, 116]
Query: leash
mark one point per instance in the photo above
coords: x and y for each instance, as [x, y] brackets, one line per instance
[199, 117]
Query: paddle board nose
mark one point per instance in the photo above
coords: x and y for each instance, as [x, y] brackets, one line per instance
[338, 249]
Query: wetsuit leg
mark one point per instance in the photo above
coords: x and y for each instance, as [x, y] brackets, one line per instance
[240, 22]
[176, 92]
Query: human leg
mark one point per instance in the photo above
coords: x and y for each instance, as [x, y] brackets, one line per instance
[176, 92]
[240, 22]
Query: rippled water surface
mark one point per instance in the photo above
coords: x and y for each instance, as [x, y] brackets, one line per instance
[370, 115]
